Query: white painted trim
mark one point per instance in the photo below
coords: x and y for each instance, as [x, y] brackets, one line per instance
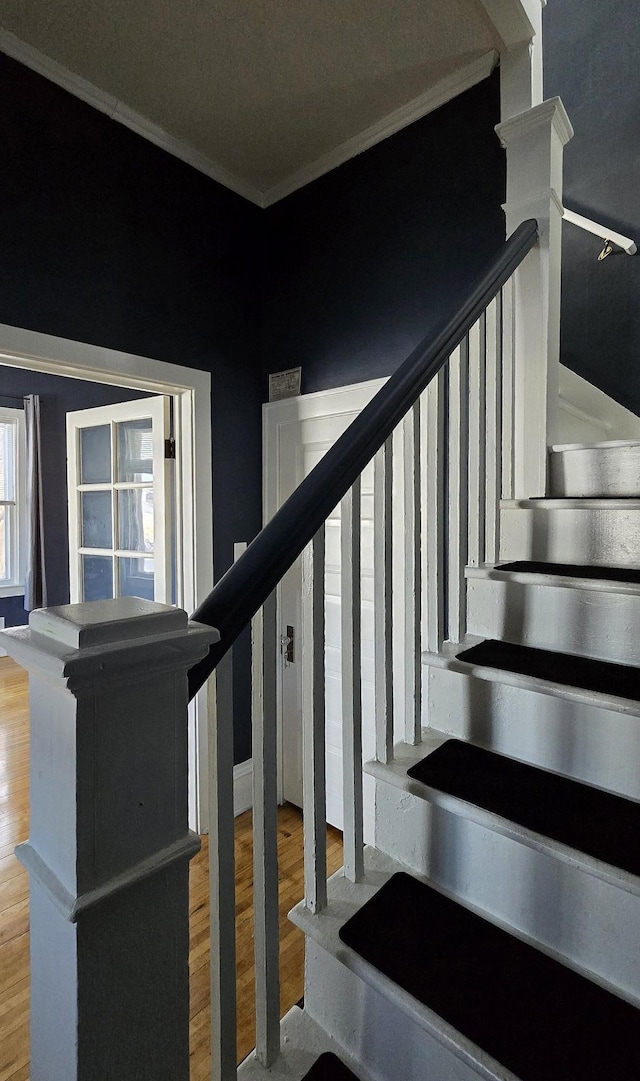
[587, 403]
[70, 906]
[550, 112]
[570, 503]
[192, 391]
[511, 20]
[432, 99]
[579, 414]
[242, 787]
[321, 403]
[117, 110]
[602, 231]
[448, 88]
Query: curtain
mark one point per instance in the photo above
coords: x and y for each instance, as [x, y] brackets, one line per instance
[35, 587]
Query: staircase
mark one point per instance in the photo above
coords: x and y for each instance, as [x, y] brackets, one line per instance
[490, 931]
[494, 932]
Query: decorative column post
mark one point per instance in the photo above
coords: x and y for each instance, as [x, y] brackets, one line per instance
[109, 849]
[534, 133]
[534, 142]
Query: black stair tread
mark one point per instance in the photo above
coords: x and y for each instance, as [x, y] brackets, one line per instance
[605, 677]
[532, 1014]
[570, 570]
[601, 824]
[329, 1068]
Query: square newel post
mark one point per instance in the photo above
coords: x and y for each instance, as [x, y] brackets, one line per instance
[534, 141]
[109, 848]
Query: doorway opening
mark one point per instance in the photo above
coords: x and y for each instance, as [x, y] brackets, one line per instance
[183, 395]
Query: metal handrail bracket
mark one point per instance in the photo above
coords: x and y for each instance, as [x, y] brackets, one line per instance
[602, 231]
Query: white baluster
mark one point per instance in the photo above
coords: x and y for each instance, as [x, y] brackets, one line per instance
[265, 832]
[412, 577]
[382, 605]
[457, 491]
[493, 447]
[222, 874]
[435, 477]
[350, 544]
[477, 421]
[508, 414]
[313, 724]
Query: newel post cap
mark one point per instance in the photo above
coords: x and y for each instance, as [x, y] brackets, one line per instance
[101, 640]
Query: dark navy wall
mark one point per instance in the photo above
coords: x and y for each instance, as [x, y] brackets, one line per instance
[368, 259]
[58, 397]
[107, 239]
[592, 61]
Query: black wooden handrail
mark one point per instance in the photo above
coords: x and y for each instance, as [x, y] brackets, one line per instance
[248, 583]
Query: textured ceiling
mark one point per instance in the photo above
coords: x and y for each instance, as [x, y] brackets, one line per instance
[261, 87]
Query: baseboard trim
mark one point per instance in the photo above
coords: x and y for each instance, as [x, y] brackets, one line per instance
[242, 787]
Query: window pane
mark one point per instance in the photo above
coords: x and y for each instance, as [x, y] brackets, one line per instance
[135, 450]
[135, 519]
[97, 578]
[95, 455]
[97, 530]
[7, 460]
[136, 577]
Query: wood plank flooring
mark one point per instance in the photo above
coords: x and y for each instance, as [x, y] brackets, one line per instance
[14, 904]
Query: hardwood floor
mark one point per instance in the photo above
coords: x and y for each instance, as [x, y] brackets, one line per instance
[14, 904]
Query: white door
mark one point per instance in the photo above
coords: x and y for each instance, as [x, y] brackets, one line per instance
[119, 502]
[298, 432]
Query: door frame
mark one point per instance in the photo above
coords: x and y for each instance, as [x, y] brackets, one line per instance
[275, 416]
[191, 391]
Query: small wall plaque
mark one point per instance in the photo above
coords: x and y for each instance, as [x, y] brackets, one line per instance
[285, 384]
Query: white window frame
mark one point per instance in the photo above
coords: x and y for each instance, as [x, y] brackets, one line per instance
[14, 586]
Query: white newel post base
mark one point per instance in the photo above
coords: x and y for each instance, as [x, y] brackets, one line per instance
[109, 848]
[534, 141]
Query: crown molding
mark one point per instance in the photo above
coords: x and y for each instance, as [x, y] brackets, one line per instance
[443, 91]
[117, 110]
[513, 20]
[432, 99]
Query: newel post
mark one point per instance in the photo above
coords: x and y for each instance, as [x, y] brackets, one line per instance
[534, 141]
[109, 849]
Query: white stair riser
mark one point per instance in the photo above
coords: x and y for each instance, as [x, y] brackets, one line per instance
[587, 622]
[599, 536]
[590, 922]
[592, 472]
[373, 1030]
[588, 743]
